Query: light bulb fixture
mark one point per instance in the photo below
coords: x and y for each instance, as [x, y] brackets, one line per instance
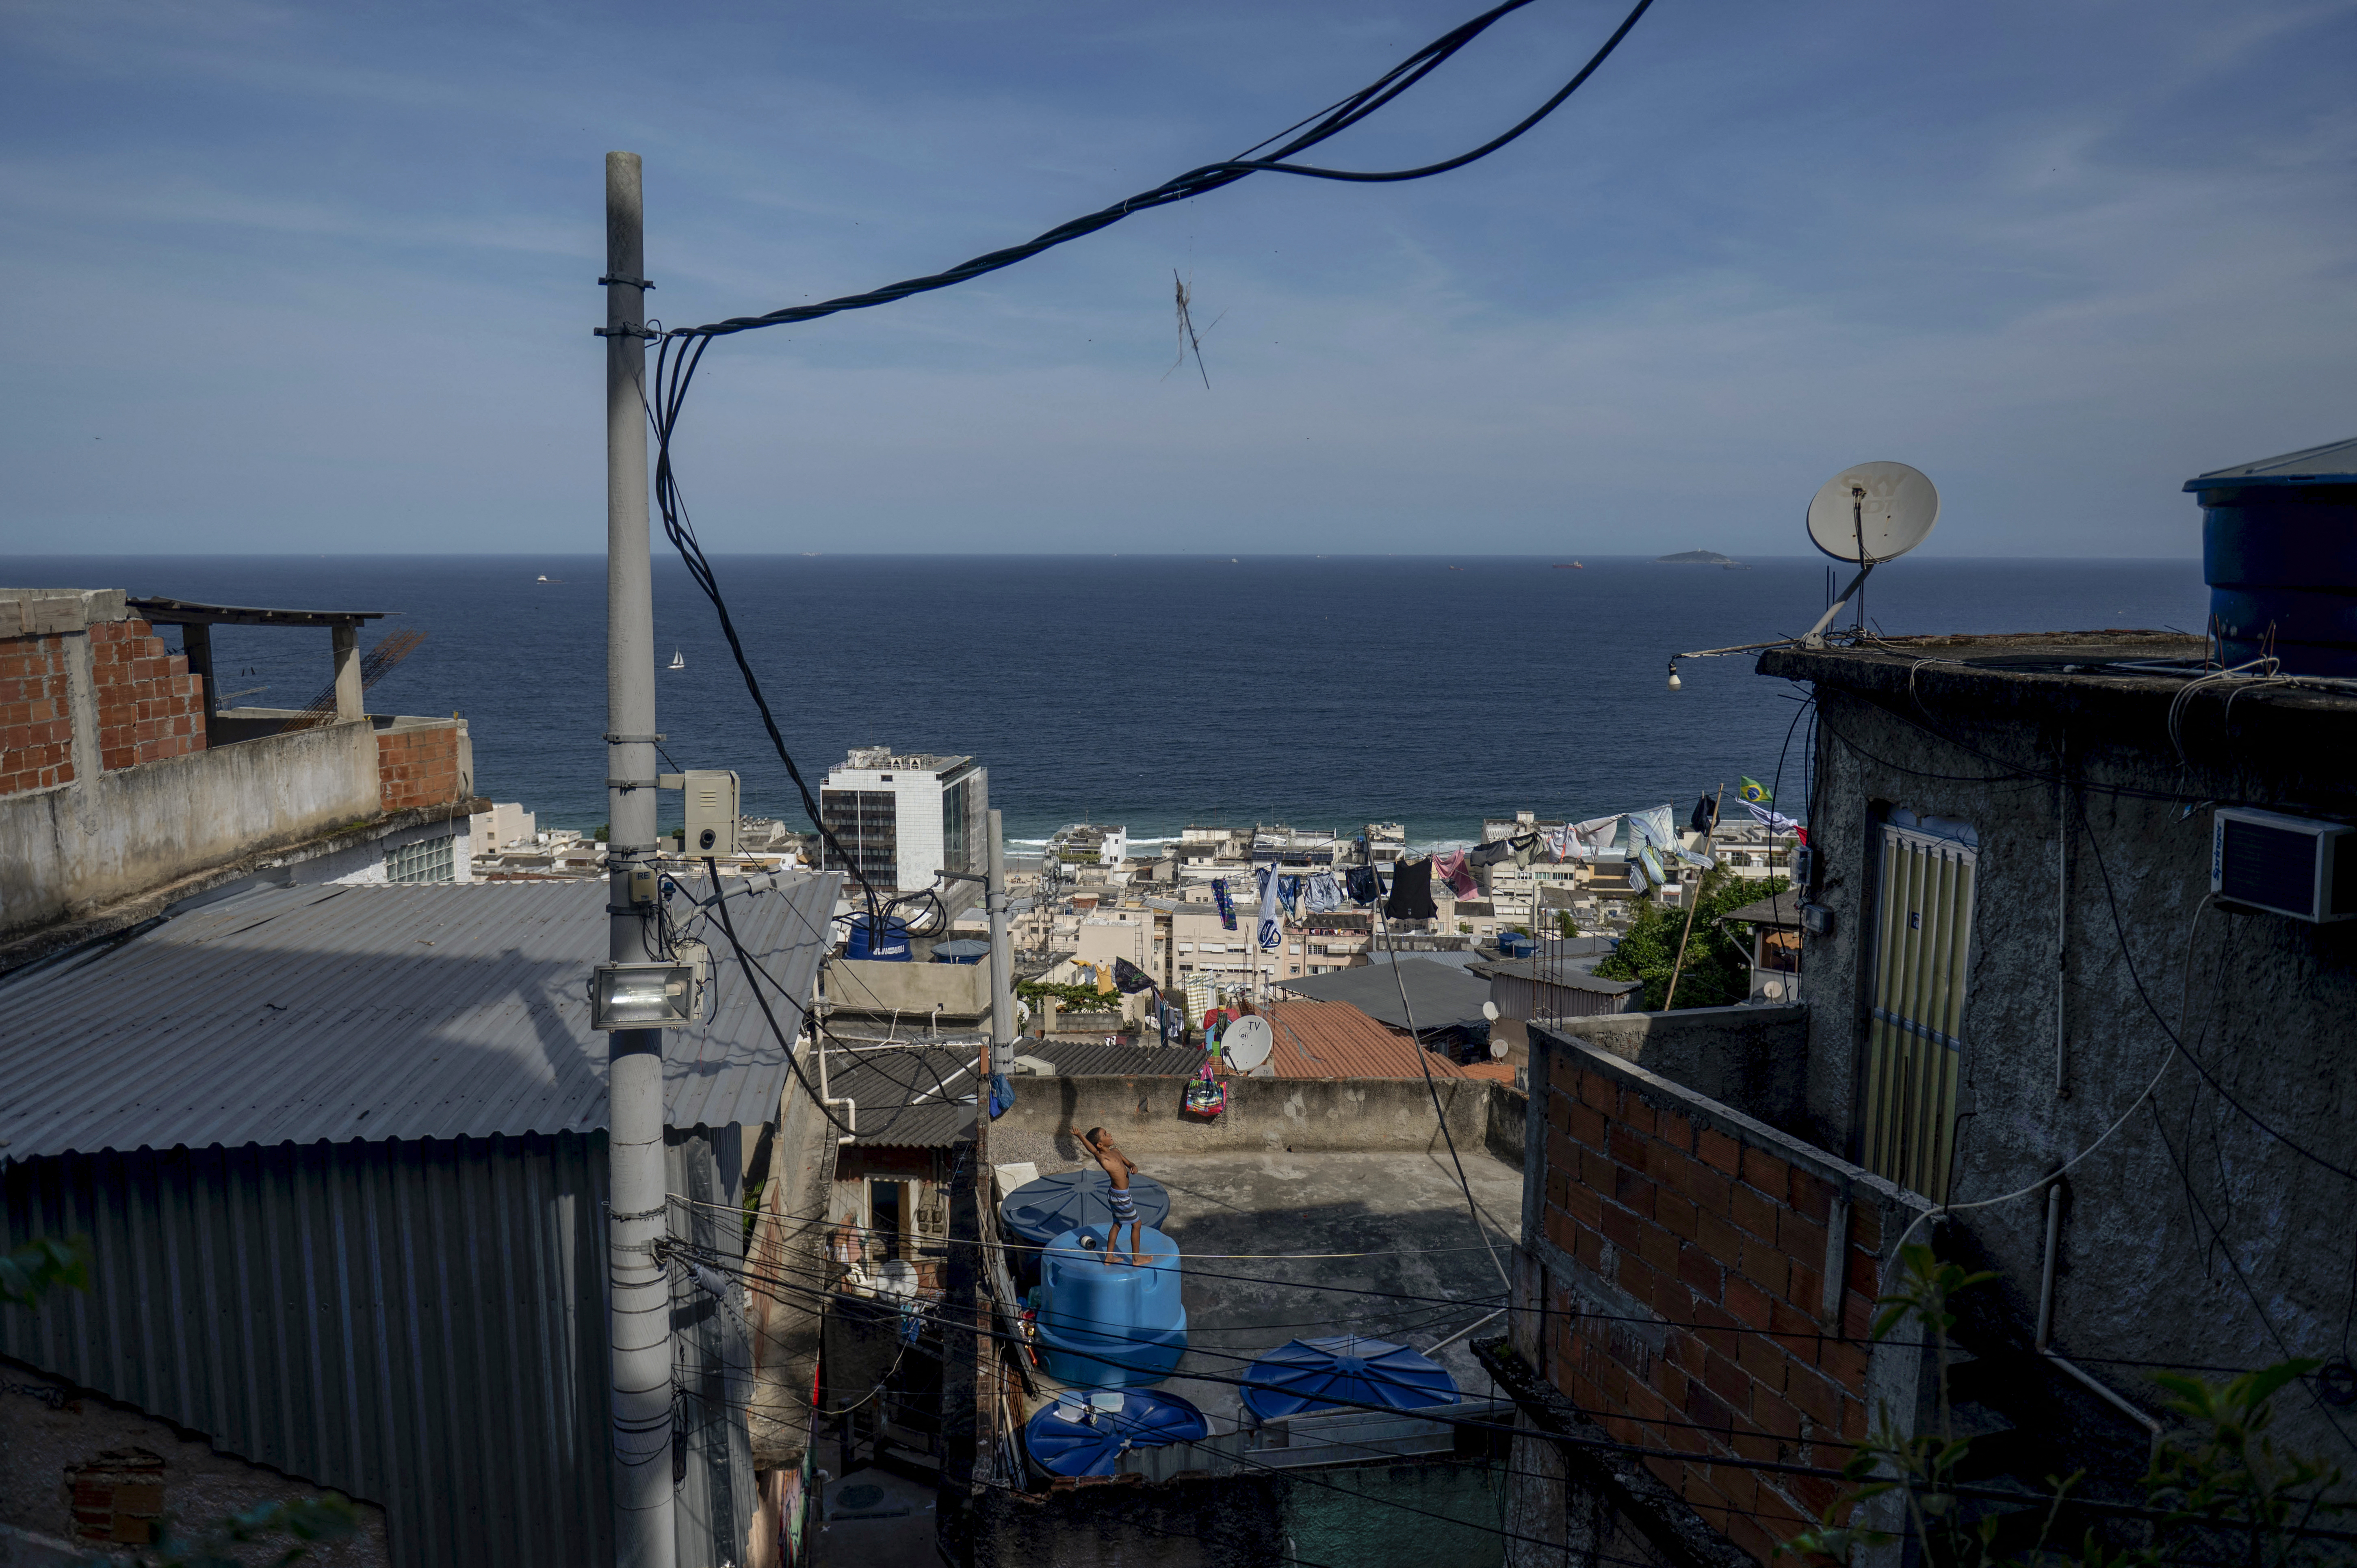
[641, 996]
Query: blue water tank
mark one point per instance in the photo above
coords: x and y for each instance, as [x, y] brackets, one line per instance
[963, 951]
[2279, 552]
[1040, 1211]
[1110, 1324]
[1514, 944]
[892, 946]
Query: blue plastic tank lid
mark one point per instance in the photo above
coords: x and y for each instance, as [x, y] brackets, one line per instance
[2332, 464]
[1084, 1434]
[1344, 1371]
[963, 951]
[1040, 1211]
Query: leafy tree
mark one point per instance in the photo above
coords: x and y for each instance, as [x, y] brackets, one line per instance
[31, 1270]
[1718, 955]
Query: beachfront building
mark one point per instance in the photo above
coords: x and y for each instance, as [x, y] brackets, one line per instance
[904, 817]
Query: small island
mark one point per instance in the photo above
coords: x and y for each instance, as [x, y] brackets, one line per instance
[1699, 558]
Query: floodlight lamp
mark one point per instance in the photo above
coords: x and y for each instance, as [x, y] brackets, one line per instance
[641, 996]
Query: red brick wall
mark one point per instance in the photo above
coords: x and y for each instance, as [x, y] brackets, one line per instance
[1722, 1240]
[36, 724]
[149, 706]
[417, 767]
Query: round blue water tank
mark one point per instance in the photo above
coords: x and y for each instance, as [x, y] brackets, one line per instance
[892, 946]
[1110, 1324]
[1040, 1211]
[2279, 552]
[961, 951]
[1514, 944]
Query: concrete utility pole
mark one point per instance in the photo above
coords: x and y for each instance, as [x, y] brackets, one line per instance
[639, 1324]
[1002, 958]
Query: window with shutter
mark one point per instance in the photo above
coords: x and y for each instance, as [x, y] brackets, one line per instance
[1923, 940]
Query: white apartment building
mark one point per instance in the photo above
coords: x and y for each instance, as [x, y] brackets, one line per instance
[902, 817]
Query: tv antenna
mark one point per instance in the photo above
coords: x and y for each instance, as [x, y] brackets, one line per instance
[1247, 1042]
[1866, 514]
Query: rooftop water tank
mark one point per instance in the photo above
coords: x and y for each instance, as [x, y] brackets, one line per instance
[1514, 944]
[1084, 1434]
[962, 951]
[892, 946]
[1344, 1372]
[2279, 552]
[1040, 1211]
[1110, 1324]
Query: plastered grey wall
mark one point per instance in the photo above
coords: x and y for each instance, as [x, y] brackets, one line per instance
[1263, 1114]
[2193, 1235]
[1752, 1058]
[67, 850]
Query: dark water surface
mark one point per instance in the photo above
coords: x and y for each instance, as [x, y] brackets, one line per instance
[1148, 691]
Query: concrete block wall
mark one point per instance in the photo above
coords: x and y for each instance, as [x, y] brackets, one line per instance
[420, 766]
[1680, 1250]
[149, 706]
[85, 686]
[36, 715]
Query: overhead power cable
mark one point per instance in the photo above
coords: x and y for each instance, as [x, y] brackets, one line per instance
[1329, 123]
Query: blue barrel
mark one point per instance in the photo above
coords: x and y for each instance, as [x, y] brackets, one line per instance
[1110, 1324]
[961, 951]
[892, 946]
[2279, 552]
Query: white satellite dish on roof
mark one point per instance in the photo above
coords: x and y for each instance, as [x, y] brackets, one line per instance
[1247, 1043]
[1873, 511]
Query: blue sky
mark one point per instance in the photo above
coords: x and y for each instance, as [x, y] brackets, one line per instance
[319, 278]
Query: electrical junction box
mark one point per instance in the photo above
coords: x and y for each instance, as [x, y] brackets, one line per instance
[711, 812]
[2285, 865]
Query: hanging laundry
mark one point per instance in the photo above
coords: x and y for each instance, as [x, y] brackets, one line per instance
[1656, 826]
[1449, 867]
[1775, 822]
[1288, 890]
[1361, 884]
[1651, 861]
[1705, 816]
[1227, 905]
[1597, 832]
[1271, 932]
[1128, 979]
[1411, 897]
[1755, 793]
[1526, 849]
[1637, 883]
[1321, 893]
[1489, 854]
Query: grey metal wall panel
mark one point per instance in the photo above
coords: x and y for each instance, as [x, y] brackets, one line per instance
[419, 1325]
[713, 1352]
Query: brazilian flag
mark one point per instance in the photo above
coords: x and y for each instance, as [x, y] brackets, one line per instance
[1756, 792]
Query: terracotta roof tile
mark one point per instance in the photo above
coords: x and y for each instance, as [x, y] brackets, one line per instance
[1334, 1039]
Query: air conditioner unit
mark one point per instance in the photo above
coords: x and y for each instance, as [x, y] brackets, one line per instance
[2286, 865]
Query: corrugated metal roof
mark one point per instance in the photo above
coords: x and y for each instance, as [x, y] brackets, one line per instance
[2333, 463]
[1334, 1039]
[1443, 996]
[297, 1014]
[899, 1091]
[1563, 976]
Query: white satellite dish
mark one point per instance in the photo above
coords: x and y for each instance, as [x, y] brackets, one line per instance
[1247, 1042]
[1497, 1050]
[1490, 1011]
[1873, 511]
[897, 1281]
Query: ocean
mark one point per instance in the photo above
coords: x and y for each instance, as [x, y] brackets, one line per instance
[1153, 692]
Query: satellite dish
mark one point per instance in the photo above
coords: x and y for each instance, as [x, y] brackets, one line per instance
[1497, 1050]
[897, 1281]
[1247, 1042]
[1873, 511]
[1773, 989]
[1490, 1011]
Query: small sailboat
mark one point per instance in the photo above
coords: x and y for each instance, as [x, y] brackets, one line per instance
[677, 662]
[543, 576]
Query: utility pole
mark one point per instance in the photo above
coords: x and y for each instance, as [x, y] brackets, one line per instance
[1002, 956]
[639, 1326]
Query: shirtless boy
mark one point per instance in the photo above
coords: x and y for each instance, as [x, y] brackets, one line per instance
[1118, 1168]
